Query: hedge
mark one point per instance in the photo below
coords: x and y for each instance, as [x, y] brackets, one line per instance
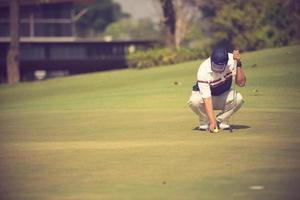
[163, 56]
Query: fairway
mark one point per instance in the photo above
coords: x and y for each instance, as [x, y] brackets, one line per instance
[129, 134]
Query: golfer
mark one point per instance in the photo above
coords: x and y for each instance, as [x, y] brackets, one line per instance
[212, 90]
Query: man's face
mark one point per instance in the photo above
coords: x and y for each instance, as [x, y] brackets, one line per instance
[218, 68]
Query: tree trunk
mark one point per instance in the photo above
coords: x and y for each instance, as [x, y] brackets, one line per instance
[183, 18]
[13, 73]
[170, 22]
[181, 23]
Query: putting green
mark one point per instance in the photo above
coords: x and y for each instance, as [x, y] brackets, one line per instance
[129, 135]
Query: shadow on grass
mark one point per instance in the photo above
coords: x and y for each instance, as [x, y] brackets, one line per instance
[233, 126]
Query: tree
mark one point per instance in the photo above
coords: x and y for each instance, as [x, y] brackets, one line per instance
[251, 24]
[284, 17]
[131, 29]
[183, 16]
[97, 16]
[177, 17]
[13, 72]
[169, 19]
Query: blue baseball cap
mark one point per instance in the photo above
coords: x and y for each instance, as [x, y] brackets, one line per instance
[219, 59]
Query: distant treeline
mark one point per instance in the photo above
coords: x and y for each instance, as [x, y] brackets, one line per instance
[247, 24]
[252, 24]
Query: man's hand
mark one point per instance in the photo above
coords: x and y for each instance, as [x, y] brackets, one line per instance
[240, 78]
[210, 113]
[212, 126]
[236, 55]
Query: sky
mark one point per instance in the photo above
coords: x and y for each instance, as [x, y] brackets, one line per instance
[139, 9]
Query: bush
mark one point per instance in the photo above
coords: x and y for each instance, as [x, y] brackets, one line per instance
[157, 57]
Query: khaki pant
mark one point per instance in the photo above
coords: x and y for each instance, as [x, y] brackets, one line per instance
[229, 102]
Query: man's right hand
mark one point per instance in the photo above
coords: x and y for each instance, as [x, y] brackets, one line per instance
[212, 126]
[210, 113]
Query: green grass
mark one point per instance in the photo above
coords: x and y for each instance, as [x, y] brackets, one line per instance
[129, 135]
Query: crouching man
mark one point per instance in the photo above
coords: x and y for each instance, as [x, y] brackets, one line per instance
[213, 89]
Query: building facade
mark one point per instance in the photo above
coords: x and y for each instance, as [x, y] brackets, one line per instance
[48, 41]
[40, 19]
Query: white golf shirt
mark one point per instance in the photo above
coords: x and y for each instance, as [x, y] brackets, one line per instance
[214, 84]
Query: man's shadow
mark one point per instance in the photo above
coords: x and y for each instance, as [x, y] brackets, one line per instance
[233, 126]
[239, 126]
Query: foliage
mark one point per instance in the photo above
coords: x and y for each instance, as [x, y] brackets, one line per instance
[165, 56]
[253, 24]
[130, 29]
[195, 38]
[98, 15]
